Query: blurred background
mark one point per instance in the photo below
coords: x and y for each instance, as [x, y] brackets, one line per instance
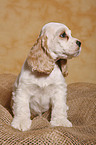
[22, 20]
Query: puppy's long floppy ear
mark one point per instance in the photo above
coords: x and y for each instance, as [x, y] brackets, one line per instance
[39, 59]
[63, 66]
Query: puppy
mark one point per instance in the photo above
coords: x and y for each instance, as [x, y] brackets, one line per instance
[41, 83]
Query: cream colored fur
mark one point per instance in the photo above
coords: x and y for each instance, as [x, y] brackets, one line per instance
[41, 83]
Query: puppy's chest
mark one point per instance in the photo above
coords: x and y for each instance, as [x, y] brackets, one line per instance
[41, 89]
[40, 100]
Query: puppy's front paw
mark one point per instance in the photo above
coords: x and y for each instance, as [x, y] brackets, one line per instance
[22, 124]
[61, 122]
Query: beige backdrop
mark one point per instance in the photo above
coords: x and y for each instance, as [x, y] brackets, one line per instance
[22, 20]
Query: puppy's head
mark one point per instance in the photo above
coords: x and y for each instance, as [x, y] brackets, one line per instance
[55, 44]
[60, 42]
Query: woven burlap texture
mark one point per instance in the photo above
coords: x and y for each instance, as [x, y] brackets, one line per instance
[82, 103]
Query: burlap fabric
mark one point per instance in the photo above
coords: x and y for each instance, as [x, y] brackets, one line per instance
[82, 103]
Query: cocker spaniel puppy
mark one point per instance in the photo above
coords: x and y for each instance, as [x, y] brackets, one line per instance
[41, 83]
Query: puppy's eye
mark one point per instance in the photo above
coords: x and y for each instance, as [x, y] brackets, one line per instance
[63, 35]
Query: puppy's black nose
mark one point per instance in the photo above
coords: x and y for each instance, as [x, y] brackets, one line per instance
[78, 43]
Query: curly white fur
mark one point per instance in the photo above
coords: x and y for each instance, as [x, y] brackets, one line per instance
[37, 92]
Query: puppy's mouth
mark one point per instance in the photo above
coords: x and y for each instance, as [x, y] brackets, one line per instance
[75, 54]
[69, 55]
